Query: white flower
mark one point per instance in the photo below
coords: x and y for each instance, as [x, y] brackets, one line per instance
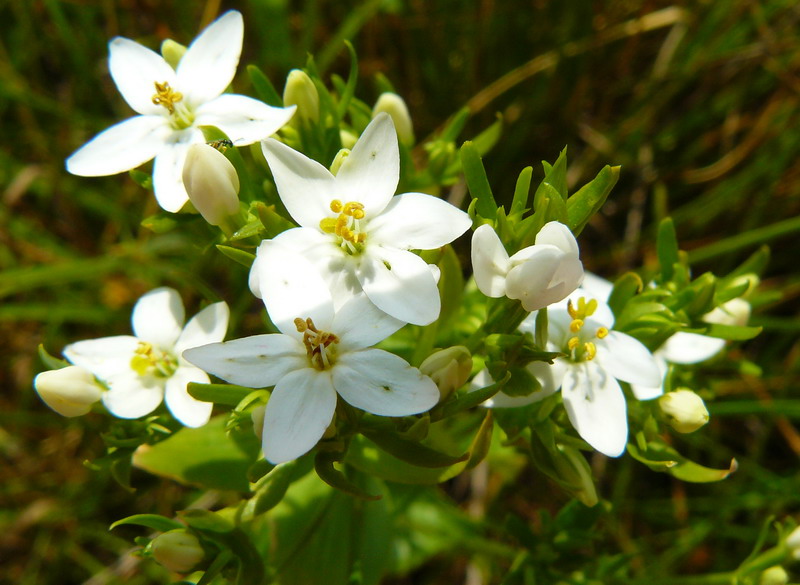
[320, 353]
[211, 183]
[69, 391]
[538, 275]
[354, 230]
[140, 371]
[596, 357]
[173, 104]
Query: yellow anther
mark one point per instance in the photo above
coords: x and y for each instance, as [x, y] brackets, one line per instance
[346, 225]
[576, 325]
[328, 225]
[584, 309]
[166, 97]
[317, 343]
[336, 206]
[301, 325]
[590, 350]
[362, 237]
[601, 332]
[358, 214]
[573, 343]
[354, 209]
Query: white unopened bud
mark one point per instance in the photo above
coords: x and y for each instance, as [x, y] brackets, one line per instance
[300, 91]
[177, 550]
[449, 368]
[793, 543]
[340, 157]
[396, 107]
[348, 139]
[776, 575]
[172, 52]
[734, 312]
[683, 410]
[212, 183]
[70, 391]
[257, 416]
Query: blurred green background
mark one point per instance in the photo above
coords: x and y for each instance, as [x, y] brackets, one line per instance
[698, 101]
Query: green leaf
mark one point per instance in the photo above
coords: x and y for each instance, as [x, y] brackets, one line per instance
[733, 332]
[478, 183]
[272, 487]
[455, 125]
[263, 87]
[152, 521]
[625, 288]
[411, 451]
[218, 393]
[468, 400]
[272, 221]
[237, 255]
[667, 248]
[484, 141]
[323, 465]
[350, 88]
[451, 286]
[588, 200]
[160, 223]
[521, 192]
[206, 521]
[51, 362]
[216, 567]
[206, 456]
[661, 457]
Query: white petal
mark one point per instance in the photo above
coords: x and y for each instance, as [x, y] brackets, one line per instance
[558, 235]
[418, 221]
[208, 326]
[158, 317]
[643, 392]
[627, 359]
[298, 413]
[292, 288]
[104, 357]
[305, 186]
[400, 284]
[490, 262]
[382, 383]
[371, 172]
[132, 396]
[244, 120]
[596, 408]
[255, 362]
[690, 348]
[190, 412]
[168, 176]
[359, 324]
[121, 147]
[546, 277]
[210, 62]
[136, 70]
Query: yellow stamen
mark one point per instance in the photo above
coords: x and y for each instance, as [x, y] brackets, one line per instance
[318, 343]
[590, 350]
[601, 333]
[166, 97]
[347, 225]
[573, 343]
[576, 325]
[336, 206]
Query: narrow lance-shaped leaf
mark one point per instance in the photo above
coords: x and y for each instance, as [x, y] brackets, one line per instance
[478, 183]
[667, 248]
[241, 256]
[521, 192]
[263, 87]
[625, 288]
[323, 465]
[590, 198]
[350, 88]
[152, 521]
[218, 393]
[410, 451]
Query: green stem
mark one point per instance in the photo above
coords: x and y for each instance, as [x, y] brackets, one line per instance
[751, 238]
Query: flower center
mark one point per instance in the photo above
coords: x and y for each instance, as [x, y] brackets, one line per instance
[149, 361]
[320, 345]
[581, 345]
[165, 96]
[347, 226]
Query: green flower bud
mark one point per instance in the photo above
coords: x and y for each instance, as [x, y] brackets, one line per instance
[683, 410]
[776, 575]
[257, 416]
[793, 543]
[449, 369]
[338, 160]
[395, 106]
[734, 312]
[70, 391]
[212, 183]
[300, 91]
[348, 139]
[177, 550]
[172, 52]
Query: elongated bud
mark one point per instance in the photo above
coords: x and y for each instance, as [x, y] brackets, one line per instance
[734, 312]
[257, 416]
[177, 550]
[776, 575]
[172, 52]
[70, 391]
[300, 91]
[212, 183]
[683, 410]
[793, 543]
[395, 106]
[338, 160]
[449, 369]
[348, 139]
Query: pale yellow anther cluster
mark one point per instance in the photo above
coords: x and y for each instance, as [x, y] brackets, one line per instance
[318, 343]
[588, 350]
[347, 225]
[149, 360]
[165, 96]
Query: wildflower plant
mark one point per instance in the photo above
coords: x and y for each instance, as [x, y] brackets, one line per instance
[394, 351]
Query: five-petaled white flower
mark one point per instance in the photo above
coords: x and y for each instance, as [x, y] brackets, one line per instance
[173, 104]
[142, 371]
[538, 275]
[595, 358]
[354, 230]
[320, 353]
